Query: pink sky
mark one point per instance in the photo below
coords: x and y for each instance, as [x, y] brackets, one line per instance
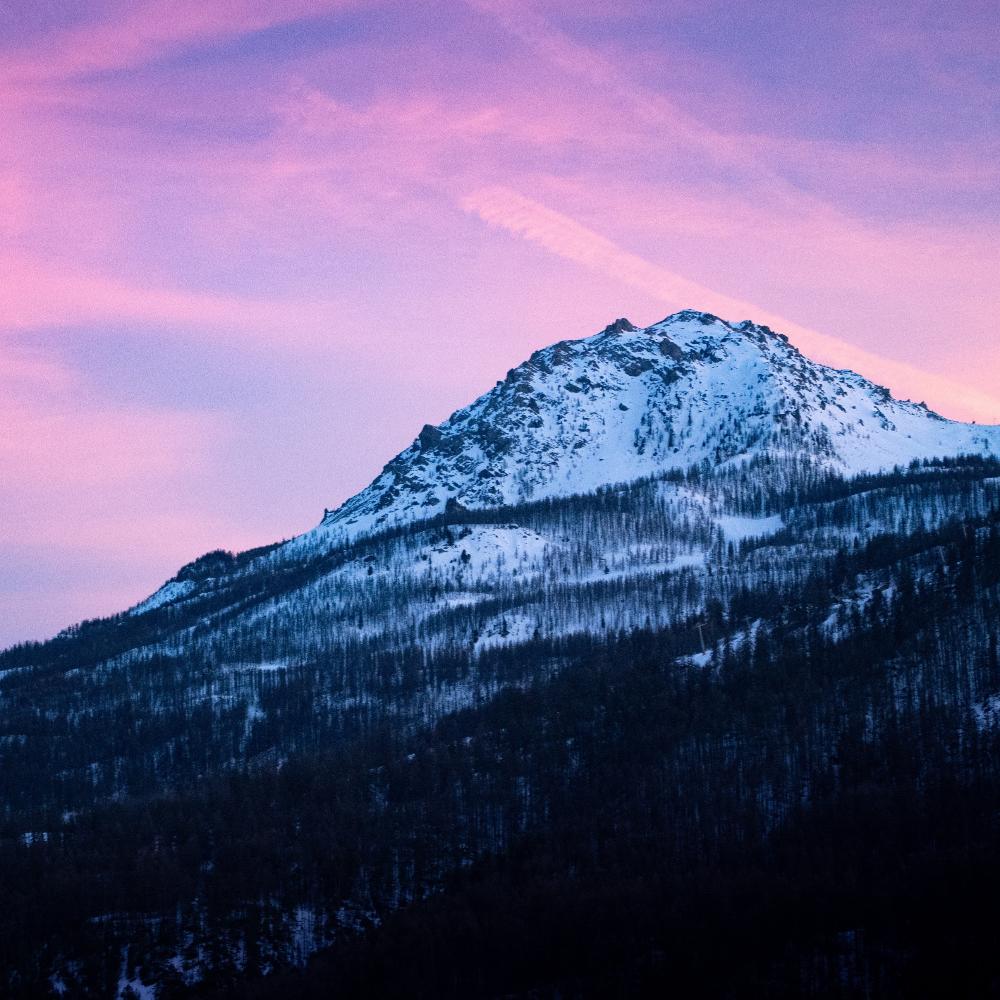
[247, 251]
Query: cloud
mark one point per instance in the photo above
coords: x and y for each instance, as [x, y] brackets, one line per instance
[142, 32]
[34, 294]
[775, 159]
[567, 238]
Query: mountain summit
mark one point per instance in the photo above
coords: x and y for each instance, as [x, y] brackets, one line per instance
[628, 403]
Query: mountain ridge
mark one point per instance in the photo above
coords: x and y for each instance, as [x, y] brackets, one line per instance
[629, 402]
[626, 404]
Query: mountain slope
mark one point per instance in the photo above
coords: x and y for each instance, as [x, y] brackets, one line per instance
[621, 406]
[206, 808]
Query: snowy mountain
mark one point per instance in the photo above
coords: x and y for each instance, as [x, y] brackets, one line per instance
[623, 406]
[628, 403]
[672, 584]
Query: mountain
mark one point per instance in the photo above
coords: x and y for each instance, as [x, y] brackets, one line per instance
[671, 660]
[628, 403]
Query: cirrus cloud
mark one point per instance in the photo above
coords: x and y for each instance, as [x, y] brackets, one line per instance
[567, 238]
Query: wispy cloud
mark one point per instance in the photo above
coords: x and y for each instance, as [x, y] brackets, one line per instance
[36, 294]
[125, 38]
[772, 158]
[55, 434]
[567, 238]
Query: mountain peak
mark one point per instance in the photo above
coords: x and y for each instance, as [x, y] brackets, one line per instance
[620, 325]
[628, 403]
[691, 316]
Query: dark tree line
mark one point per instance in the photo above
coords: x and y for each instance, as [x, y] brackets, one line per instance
[811, 811]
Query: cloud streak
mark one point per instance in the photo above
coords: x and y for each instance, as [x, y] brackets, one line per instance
[35, 295]
[567, 238]
[143, 32]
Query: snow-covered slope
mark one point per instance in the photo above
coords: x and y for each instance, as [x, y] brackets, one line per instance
[628, 403]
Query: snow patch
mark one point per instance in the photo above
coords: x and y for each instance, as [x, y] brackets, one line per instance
[172, 591]
[737, 529]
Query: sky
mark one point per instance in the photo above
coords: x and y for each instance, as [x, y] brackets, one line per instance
[247, 250]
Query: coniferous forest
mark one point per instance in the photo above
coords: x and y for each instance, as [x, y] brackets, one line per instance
[636, 754]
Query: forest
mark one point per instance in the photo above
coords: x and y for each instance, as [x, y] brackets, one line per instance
[321, 780]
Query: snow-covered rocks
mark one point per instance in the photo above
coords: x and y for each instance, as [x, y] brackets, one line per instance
[629, 403]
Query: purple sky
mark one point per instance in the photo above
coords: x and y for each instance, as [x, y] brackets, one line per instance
[247, 250]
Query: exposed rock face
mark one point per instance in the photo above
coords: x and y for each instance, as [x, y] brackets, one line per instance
[620, 325]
